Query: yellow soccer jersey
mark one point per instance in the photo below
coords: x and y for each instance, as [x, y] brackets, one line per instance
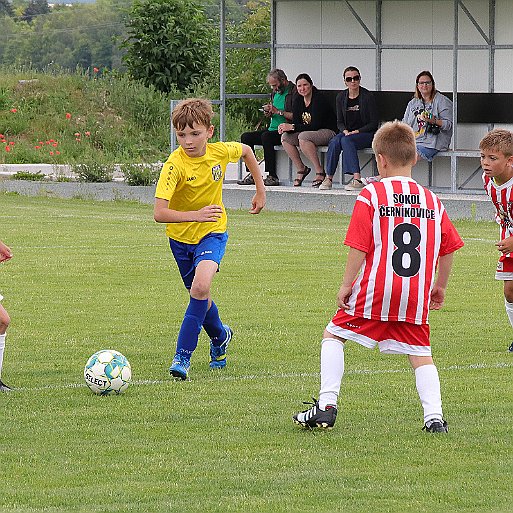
[193, 183]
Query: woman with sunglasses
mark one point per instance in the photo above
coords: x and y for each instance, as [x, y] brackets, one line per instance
[357, 120]
[313, 124]
[429, 113]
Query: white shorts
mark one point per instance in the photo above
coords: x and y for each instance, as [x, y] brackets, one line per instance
[504, 271]
[392, 337]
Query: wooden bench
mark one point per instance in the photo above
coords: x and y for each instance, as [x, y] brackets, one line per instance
[472, 108]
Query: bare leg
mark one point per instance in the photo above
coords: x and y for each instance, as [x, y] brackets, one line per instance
[293, 153]
[310, 150]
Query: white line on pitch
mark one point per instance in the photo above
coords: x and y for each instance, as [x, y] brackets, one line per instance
[290, 375]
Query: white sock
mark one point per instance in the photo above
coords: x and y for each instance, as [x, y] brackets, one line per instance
[2, 347]
[509, 311]
[428, 387]
[332, 370]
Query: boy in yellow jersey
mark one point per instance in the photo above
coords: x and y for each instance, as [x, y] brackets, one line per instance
[189, 200]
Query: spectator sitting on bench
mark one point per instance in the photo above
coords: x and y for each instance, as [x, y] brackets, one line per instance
[429, 113]
[313, 124]
[357, 121]
[279, 109]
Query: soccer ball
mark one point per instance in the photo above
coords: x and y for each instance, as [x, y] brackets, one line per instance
[107, 372]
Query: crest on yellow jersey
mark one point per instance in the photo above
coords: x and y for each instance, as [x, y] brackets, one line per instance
[217, 172]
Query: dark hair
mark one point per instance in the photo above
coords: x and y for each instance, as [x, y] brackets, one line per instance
[351, 68]
[427, 74]
[304, 76]
[278, 74]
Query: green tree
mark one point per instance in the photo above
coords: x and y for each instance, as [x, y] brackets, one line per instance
[169, 43]
[35, 8]
[247, 68]
[68, 37]
[6, 8]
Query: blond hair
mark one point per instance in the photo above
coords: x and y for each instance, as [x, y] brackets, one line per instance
[396, 141]
[190, 111]
[499, 140]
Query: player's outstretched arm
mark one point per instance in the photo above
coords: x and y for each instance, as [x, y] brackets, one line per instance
[258, 201]
[354, 262]
[163, 214]
[5, 252]
[442, 279]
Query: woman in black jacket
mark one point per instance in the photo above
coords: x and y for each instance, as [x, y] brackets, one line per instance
[357, 121]
[313, 124]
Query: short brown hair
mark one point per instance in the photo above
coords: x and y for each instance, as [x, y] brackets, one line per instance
[499, 140]
[190, 111]
[396, 141]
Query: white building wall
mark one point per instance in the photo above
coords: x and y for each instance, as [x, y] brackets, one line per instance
[405, 23]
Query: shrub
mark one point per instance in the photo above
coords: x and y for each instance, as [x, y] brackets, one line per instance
[27, 175]
[93, 172]
[141, 174]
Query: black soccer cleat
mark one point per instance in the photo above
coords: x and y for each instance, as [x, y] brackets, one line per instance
[4, 387]
[315, 417]
[436, 426]
[510, 348]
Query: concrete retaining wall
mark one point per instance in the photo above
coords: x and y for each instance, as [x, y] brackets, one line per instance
[280, 199]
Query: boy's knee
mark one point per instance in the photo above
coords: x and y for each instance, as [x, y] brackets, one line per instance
[5, 320]
[508, 291]
[200, 290]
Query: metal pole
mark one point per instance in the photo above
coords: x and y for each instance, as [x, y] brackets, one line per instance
[454, 163]
[172, 136]
[491, 55]
[222, 70]
[273, 34]
[379, 37]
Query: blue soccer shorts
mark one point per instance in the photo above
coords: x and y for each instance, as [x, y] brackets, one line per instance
[188, 256]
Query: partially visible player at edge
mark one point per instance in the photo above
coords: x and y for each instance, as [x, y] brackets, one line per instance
[399, 232]
[497, 163]
[5, 254]
[189, 199]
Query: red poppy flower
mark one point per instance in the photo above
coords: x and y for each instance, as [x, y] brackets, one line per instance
[87, 134]
[68, 115]
[96, 70]
[37, 147]
[14, 110]
[51, 153]
[12, 143]
[57, 153]
[7, 148]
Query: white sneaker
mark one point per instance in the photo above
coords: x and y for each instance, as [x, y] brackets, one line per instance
[371, 179]
[326, 184]
[354, 185]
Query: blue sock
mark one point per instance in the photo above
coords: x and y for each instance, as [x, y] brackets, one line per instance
[213, 325]
[191, 326]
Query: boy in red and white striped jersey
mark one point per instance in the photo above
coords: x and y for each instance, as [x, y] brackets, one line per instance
[398, 235]
[497, 163]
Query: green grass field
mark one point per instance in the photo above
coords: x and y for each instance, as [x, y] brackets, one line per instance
[89, 275]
